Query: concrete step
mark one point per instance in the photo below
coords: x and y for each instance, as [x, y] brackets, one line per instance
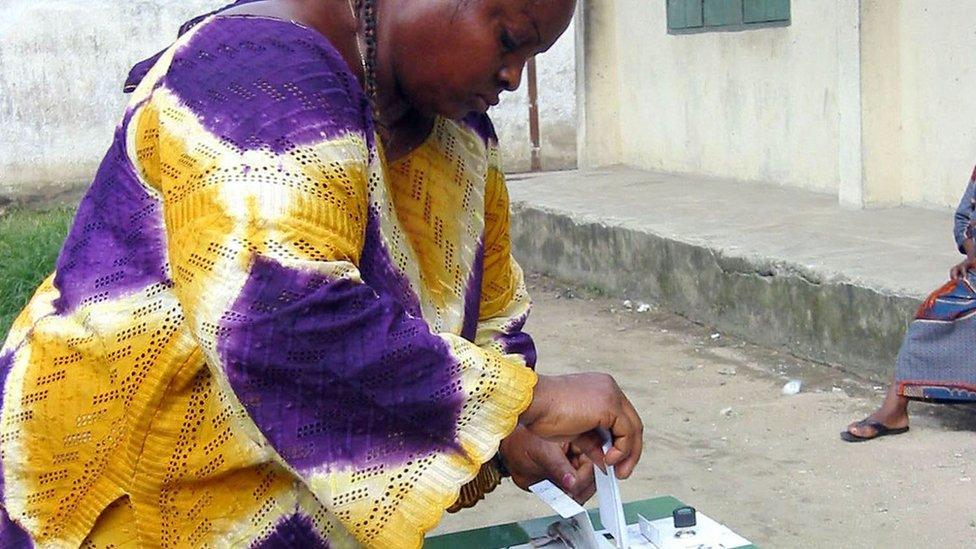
[777, 266]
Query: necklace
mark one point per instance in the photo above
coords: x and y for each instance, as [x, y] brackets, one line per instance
[364, 16]
[359, 38]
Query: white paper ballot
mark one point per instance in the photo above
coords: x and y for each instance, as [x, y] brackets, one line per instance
[608, 492]
[561, 503]
[576, 529]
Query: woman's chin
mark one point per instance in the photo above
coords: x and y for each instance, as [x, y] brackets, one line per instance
[457, 111]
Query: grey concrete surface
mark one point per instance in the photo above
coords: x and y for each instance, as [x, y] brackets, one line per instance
[776, 266]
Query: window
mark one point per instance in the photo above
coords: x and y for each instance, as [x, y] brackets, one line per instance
[686, 16]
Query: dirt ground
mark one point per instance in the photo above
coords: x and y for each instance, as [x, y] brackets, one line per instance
[722, 437]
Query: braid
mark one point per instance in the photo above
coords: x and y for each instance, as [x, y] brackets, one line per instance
[367, 8]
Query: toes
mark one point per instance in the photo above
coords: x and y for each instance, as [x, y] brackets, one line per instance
[861, 430]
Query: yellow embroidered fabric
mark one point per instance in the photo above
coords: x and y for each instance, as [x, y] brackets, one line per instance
[258, 332]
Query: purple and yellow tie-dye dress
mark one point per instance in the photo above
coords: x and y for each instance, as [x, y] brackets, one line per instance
[258, 332]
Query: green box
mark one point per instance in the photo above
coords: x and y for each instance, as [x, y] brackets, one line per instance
[517, 533]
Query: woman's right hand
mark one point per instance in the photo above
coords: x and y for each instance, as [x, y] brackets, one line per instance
[570, 408]
[960, 270]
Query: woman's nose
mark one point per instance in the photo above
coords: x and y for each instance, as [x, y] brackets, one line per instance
[511, 76]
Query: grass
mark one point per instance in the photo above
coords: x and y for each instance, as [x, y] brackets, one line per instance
[29, 245]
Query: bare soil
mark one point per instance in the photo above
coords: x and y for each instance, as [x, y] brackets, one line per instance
[723, 437]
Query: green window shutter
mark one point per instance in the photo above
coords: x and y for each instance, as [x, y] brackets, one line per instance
[764, 11]
[722, 13]
[684, 14]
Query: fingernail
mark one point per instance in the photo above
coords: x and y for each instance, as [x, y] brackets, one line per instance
[568, 480]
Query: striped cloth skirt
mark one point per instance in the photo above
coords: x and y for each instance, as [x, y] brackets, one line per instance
[937, 360]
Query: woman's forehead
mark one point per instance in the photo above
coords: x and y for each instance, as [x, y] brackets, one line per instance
[550, 17]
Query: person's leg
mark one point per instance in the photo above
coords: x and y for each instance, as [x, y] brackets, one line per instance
[893, 414]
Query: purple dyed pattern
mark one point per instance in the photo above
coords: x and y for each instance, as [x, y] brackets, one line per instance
[142, 68]
[6, 363]
[334, 374]
[517, 342]
[117, 242]
[260, 83]
[481, 124]
[377, 270]
[12, 536]
[472, 295]
[296, 531]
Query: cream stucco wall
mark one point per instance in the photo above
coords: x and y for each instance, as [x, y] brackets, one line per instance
[556, 78]
[598, 84]
[919, 87]
[62, 66]
[63, 63]
[871, 100]
[756, 105]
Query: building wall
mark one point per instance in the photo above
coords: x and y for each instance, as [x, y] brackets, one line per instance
[63, 63]
[755, 105]
[556, 78]
[919, 80]
[870, 100]
[62, 67]
[598, 84]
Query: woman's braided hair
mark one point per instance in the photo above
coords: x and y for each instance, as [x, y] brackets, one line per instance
[366, 9]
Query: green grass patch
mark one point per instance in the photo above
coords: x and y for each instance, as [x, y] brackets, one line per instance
[29, 245]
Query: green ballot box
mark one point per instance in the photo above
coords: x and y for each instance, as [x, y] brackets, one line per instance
[518, 533]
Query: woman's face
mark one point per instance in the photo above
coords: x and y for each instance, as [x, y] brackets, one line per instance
[452, 57]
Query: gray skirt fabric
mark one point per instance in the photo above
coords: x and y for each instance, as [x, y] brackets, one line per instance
[937, 359]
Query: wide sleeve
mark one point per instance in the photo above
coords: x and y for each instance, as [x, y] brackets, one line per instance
[262, 163]
[963, 218]
[505, 301]
[503, 310]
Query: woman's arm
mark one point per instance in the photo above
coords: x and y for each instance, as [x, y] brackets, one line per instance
[963, 217]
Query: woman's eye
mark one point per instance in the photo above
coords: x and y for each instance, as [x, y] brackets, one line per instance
[508, 43]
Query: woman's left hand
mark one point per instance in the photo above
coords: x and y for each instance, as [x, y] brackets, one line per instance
[531, 459]
[960, 270]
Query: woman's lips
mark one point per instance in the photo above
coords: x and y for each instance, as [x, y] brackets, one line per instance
[483, 102]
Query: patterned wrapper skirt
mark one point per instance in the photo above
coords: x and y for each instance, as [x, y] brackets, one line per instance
[937, 360]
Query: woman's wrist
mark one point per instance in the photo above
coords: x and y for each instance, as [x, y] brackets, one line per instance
[538, 405]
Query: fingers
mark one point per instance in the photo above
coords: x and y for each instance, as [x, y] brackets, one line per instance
[569, 408]
[628, 443]
[585, 480]
[590, 444]
[555, 463]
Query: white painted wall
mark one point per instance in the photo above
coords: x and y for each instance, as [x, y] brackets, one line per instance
[753, 105]
[63, 63]
[871, 100]
[62, 67]
[923, 74]
[556, 77]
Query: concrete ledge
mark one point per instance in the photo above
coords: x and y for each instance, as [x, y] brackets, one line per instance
[776, 266]
[45, 195]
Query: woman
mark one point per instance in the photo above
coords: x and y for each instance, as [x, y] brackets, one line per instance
[286, 313]
[937, 357]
